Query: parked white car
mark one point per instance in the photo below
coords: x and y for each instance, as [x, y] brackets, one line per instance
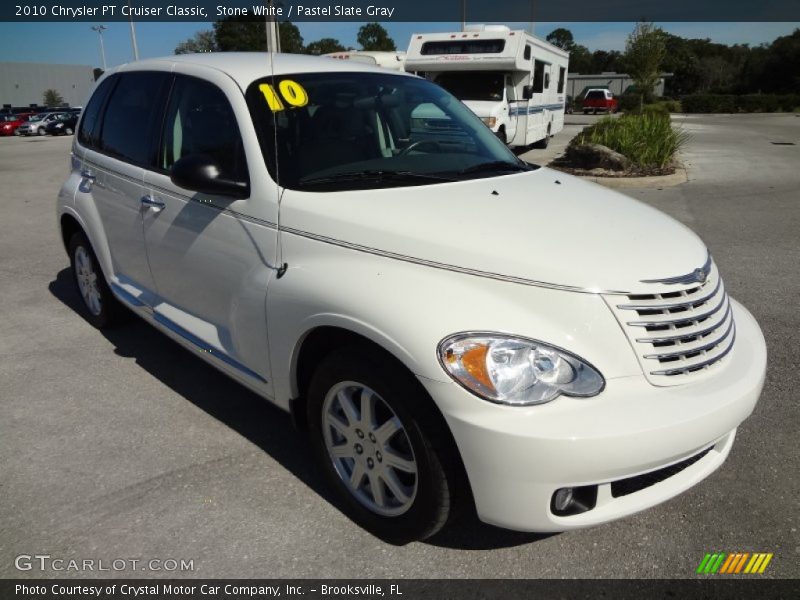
[452, 325]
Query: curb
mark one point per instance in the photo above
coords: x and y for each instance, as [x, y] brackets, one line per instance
[678, 177]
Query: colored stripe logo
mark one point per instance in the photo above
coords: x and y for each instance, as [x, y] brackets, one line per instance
[733, 563]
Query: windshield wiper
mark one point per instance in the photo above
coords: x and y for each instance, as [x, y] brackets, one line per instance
[373, 175]
[495, 165]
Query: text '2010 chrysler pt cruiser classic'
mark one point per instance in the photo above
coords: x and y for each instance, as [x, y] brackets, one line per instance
[453, 326]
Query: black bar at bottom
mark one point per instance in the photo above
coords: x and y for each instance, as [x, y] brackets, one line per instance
[712, 586]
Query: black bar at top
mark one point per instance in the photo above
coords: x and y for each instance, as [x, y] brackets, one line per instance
[477, 11]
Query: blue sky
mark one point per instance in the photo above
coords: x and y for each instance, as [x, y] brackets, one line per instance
[75, 43]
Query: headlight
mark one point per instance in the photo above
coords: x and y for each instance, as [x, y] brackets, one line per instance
[516, 371]
[490, 121]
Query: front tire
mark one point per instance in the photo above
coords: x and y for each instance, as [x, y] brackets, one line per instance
[100, 306]
[382, 446]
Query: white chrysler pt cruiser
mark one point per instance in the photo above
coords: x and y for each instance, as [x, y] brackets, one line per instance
[454, 327]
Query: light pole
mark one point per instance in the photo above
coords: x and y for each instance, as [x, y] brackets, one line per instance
[133, 35]
[99, 29]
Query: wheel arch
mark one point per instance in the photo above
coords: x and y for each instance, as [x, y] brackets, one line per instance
[88, 222]
[319, 342]
[322, 340]
[69, 226]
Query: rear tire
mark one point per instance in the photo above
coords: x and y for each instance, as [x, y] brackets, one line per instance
[545, 142]
[100, 307]
[382, 446]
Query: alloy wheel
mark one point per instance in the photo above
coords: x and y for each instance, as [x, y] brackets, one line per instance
[370, 449]
[87, 281]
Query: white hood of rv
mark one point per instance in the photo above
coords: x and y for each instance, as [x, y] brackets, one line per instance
[484, 108]
[540, 226]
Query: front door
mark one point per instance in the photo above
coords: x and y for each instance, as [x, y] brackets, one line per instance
[210, 256]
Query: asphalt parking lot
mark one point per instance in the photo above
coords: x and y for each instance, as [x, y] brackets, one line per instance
[123, 445]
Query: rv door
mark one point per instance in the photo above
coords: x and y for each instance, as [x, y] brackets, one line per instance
[517, 114]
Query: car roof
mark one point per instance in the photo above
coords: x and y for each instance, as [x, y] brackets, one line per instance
[246, 67]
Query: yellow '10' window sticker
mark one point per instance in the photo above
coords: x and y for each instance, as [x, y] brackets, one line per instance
[289, 91]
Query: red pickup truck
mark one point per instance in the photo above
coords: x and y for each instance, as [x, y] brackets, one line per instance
[599, 100]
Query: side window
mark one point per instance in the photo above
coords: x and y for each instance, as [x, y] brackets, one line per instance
[88, 133]
[527, 53]
[200, 120]
[538, 76]
[131, 116]
[562, 72]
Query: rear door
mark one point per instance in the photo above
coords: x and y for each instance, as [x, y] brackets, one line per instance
[119, 144]
[116, 139]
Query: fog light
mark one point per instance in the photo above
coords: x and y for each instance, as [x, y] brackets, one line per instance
[566, 502]
[562, 499]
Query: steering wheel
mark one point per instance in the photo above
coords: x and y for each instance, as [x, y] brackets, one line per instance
[416, 145]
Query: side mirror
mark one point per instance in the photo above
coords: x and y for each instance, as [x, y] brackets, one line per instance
[200, 173]
[527, 92]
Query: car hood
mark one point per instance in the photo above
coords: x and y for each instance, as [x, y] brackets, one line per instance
[542, 227]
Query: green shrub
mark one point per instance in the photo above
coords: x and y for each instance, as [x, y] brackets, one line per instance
[729, 103]
[709, 103]
[648, 139]
[662, 107]
[629, 102]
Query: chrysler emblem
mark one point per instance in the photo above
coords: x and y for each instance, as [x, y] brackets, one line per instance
[700, 275]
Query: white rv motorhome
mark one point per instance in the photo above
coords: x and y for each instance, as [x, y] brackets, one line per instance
[515, 82]
[394, 60]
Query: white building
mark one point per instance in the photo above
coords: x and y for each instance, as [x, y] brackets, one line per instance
[23, 84]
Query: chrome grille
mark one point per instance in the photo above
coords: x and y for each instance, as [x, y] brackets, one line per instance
[678, 333]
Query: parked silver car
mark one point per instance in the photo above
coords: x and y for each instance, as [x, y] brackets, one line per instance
[36, 124]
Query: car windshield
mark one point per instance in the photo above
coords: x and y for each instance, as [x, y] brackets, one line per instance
[473, 85]
[334, 131]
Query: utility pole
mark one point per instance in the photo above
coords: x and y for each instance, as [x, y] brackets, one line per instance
[463, 15]
[273, 37]
[133, 35]
[99, 29]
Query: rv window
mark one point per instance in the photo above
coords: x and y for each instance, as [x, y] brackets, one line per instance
[561, 76]
[538, 76]
[527, 54]
[464, 47]
[473, 85]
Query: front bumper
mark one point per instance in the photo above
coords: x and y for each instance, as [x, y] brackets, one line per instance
[516, 458]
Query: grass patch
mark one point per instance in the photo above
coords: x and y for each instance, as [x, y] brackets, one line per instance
[648, 140]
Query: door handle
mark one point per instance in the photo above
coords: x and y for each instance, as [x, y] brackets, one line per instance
[151, 202]
[87, 174]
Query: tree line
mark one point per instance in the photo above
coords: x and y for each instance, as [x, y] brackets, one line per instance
[248, 34]
[698, 66]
